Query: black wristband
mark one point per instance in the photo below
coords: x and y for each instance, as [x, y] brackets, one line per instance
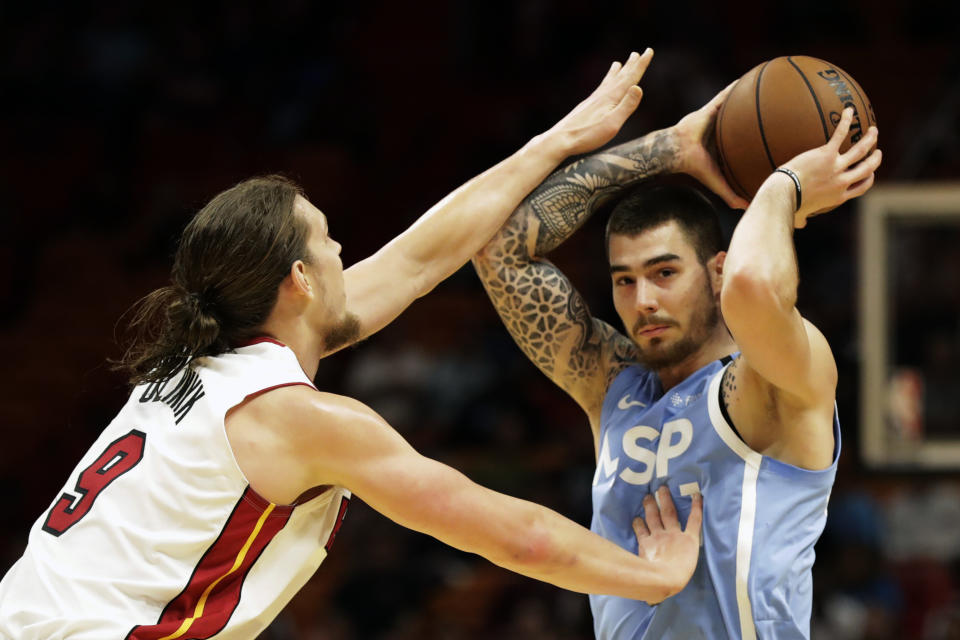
[796, 183]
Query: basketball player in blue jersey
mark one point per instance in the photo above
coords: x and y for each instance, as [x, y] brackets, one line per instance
[218, 488]
[718, 386]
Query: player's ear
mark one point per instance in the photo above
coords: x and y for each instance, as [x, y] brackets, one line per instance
[299, 279]
[715, 271]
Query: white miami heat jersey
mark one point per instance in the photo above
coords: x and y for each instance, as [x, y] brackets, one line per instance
[157, 533]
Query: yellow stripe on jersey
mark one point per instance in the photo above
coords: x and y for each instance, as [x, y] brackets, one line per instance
[198, 611]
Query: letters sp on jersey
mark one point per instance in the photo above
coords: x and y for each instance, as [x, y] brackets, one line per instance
[642, 462]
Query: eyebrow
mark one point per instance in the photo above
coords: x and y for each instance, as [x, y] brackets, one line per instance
[664, 257]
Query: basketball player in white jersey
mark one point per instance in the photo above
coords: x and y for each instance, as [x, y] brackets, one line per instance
[217, 490]
[718, 386]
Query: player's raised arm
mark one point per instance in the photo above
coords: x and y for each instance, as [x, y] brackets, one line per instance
[760, 274]
[543, 312]
[445, 237]
[330, 439]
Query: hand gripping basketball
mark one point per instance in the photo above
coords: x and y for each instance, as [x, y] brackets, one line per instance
[781, 108]
[697, 149]
[829, 178]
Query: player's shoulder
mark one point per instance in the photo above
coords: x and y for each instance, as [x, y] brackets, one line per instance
[307, 431]
[291, 438]
[602, 356]
[303, 407]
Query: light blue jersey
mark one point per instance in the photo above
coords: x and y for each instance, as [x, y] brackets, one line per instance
[761, 517]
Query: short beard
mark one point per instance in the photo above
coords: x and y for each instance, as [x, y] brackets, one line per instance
[345, 332]
[702, 323]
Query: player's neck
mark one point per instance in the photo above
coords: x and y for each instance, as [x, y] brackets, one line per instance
[309, 350]
[719, 344]
[305, 342]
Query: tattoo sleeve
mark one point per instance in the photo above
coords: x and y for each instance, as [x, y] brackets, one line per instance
[569, 196]
[546, 316]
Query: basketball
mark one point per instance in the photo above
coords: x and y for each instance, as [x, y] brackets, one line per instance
[781, 108]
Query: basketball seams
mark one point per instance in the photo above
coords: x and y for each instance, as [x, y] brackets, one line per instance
[728, 170]
[763, 136]
[813, 94]
[782, 119]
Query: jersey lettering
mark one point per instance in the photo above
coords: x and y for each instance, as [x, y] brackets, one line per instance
[641, 454]
[675, 438]
[605, 463]
[185, 393]
[667, 450]
[690, 489]
[120, 456]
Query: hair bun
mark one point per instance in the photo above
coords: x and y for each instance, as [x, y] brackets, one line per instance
[199, 305]
[198, 319]
[193, 301]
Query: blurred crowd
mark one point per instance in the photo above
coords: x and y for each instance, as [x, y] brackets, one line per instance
[119, 121]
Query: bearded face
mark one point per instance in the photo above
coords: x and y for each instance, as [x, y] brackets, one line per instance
[662, 351]
[664, 294]
[345, 331]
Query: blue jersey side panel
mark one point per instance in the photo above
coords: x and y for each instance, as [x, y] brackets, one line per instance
[761, 516]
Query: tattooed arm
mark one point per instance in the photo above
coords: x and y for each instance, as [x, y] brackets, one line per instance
[546, 316]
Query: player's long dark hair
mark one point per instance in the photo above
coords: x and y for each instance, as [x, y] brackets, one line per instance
[228, 266]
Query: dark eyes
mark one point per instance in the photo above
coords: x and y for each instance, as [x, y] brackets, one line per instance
[659, 274]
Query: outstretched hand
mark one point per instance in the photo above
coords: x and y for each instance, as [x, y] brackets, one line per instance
[661, 539]
[596, 120]
[696, 136]
[829, 178]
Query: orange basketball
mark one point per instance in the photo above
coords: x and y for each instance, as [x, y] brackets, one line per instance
[781, 108]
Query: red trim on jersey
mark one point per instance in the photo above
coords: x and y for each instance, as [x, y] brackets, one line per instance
[251, 396]
[341, 514]
[253, 341]
[205, 605]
